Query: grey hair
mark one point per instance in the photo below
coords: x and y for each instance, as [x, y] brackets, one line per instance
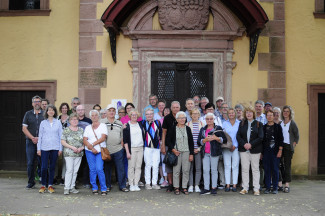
[260, 102]
[210, 114]
[93, 111]
[175, 102]
[205, 98]
[279, 110]
[149, 109]
[75, 98]
[224, 104]
[153, 95]
[180, 113]
[239, 106]
[36, 97]
[102, 111]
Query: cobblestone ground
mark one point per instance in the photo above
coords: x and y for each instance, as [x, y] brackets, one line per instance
[306, 198]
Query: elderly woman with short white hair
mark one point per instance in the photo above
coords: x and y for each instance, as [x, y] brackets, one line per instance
[180, 142]
[210, 138]
[94, 138]
[133, 138]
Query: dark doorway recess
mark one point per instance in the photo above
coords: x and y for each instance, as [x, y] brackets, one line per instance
[13, 106]
[179, 81]
[321, 133]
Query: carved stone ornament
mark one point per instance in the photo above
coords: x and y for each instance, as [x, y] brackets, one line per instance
[183, 14]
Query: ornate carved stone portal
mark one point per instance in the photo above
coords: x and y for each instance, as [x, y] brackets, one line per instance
[183, 14]
[183, 38]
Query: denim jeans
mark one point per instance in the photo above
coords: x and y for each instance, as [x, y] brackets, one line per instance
[118, 158]
[271, 166]
[31, 156]
[46, 157]
[210, 163]
[96, 163]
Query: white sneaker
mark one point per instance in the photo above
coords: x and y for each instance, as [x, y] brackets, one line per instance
[132, 188]
[190, 189]
[73, 190]
[156, 187]
[136, 188]
[148, 187]
[140, 184]
[66, 192]
[197, 189]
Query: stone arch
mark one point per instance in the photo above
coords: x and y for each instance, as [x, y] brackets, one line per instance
[196, 45]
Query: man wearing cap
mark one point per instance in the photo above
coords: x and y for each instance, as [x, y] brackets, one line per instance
[115, 146]
[267, 107]
[218, 111]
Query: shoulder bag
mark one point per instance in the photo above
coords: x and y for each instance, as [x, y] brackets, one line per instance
[103, 150]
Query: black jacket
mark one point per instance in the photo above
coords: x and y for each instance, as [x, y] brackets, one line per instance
[171, 139]
[215, 146]
[256, 137]
[278, 138]
[127, 135]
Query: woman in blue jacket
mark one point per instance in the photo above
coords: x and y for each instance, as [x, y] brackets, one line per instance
[210, 138]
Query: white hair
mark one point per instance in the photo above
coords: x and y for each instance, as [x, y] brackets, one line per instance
[93, 111]
[210, 114]
[180, 113]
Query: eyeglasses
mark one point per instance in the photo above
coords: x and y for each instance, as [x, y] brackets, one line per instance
[37, 101]
[121, 112]
[181, 118]
[111, 126]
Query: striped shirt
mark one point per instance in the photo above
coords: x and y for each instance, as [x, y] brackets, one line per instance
[195, 133]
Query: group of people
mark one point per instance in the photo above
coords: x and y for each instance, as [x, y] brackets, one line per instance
[212, 144]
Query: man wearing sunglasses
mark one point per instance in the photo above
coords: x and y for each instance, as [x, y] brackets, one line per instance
[31, 124]
[115, 146]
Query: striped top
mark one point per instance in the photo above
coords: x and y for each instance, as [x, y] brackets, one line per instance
[195, 133]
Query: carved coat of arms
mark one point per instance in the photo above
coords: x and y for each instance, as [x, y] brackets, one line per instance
[183, 14]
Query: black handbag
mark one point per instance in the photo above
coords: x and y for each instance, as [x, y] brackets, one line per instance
[170, 158]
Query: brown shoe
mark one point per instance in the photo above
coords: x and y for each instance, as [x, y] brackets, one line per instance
[243, 192]
[256, 193]
[51, 189]
[42, 189]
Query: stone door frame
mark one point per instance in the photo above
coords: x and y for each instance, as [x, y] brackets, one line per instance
[313, 91]
[214, 46]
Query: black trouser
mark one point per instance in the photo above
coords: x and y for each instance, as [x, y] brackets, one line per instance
[285, 169]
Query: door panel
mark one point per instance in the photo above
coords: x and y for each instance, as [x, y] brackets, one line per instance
[179, 81]
[321, 134]
[12, 143]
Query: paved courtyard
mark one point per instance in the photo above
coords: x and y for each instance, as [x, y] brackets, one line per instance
[306, 198]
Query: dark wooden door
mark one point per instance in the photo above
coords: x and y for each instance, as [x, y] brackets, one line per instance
[321, 134]
[13, 106]
[179, 81]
